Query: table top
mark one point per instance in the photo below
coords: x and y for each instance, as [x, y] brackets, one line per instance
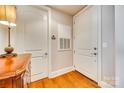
[12, 66]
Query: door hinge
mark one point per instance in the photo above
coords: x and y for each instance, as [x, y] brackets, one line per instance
[74, 51]
[74, 22]
[74, 37]
[74, 66]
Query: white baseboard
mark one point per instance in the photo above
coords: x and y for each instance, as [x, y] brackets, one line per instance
[104, 85]
[61, 72]
[38, 77]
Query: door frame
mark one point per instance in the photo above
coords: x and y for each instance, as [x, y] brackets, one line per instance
[98, 44]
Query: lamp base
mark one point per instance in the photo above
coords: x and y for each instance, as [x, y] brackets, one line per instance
[8, 55]
[8, 49]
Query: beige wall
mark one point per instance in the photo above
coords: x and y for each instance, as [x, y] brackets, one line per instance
[60, 59]
[3, 38]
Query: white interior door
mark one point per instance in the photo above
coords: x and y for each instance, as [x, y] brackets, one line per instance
[34, 21]
[85, 42]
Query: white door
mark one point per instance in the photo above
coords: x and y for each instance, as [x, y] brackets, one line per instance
[34, 21]
[85, 42]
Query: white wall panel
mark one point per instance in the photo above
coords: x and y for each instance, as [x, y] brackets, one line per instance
[60, 59]
[108, 30]
[119, 42]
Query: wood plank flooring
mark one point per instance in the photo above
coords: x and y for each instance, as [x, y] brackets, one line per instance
[70, 80]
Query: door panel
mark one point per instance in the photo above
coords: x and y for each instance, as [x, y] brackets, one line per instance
[36, 53]
[35, 39]
[36, 66]
[85, 42]
[33, 28]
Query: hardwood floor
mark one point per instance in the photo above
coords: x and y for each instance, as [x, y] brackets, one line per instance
[70, 80]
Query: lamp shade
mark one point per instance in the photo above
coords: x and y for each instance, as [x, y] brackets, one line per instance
[8, 15]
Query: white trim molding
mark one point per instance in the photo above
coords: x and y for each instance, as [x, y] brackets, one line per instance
[61, 72]
[40, 76]
[104, 85]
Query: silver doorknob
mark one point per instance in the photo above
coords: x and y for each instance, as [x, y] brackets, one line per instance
[95, 53]
[95, 48]
[46, 53]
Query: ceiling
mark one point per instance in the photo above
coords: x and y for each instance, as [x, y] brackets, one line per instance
[69, 9]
